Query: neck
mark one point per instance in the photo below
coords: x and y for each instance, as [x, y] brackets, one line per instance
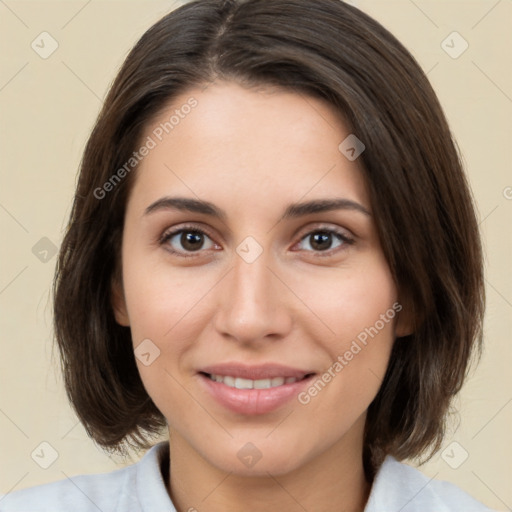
[333, 480]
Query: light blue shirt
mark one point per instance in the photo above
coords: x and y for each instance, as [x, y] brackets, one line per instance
[140, 487]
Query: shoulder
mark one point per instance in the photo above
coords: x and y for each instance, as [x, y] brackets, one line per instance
[398, 486]
[108, 492]
[78, 493]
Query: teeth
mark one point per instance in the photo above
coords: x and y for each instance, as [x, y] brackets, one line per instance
[240, 383]
[243, 383]
[262, 384]
[229, 381]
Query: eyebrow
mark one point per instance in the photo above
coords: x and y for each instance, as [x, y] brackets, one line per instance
[292, 211]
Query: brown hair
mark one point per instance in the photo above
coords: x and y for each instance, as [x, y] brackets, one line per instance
[423, 208]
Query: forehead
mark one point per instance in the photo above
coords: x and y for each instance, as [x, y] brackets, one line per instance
[249, 147]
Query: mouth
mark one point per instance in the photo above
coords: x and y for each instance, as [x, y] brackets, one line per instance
[242, 383]
[253, 390]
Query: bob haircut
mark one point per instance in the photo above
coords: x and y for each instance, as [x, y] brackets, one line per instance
[422, 205]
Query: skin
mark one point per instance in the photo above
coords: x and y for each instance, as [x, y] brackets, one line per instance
[252, 153]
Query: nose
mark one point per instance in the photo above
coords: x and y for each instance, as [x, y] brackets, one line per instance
[252, 304]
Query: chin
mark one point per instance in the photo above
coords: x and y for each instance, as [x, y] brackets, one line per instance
[258, 459]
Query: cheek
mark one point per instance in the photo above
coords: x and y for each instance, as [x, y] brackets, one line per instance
[168, 307]
[160, 298]
[346, 302]
[356, 315]
[164, 307]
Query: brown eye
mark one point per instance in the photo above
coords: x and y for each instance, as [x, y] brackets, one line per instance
[191, 240]
[324, 240]
[185, 240]
[321, 241]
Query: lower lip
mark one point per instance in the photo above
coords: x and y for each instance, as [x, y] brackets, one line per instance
[253, 401]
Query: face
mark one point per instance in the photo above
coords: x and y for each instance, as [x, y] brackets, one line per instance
[262, 326]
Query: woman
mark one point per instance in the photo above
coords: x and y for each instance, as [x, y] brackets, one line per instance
[273, 254]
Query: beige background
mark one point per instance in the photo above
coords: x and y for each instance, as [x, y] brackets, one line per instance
[47, 109]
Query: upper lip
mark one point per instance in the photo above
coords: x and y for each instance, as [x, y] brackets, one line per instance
[263, 371]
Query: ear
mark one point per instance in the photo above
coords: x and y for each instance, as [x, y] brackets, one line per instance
[405, 323]
[119, 303]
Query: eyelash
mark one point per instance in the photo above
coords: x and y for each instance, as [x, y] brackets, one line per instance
[168, 235]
